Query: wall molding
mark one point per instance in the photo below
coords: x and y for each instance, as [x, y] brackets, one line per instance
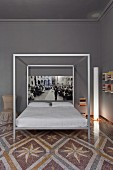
[48, 20]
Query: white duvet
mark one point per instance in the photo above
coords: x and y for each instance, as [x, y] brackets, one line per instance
[51, 117]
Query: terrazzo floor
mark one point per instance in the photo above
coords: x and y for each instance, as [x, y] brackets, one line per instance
[57, 150]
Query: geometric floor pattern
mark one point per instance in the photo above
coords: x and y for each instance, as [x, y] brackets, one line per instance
[57, 150]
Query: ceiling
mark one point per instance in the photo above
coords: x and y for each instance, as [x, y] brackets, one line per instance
[52, 9]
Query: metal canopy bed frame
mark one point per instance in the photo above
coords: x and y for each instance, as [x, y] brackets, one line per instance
[69, 66]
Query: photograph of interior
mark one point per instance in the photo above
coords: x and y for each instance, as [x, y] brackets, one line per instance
[56, 85]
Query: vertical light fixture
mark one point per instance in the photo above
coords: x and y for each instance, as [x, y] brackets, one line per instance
[96, 93]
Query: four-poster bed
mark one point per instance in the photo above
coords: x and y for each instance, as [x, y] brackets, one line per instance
[59, 117]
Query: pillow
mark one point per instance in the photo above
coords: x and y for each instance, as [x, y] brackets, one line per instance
[39, 104]
[62, 104]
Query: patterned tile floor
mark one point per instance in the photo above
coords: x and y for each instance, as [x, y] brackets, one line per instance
[57, 150]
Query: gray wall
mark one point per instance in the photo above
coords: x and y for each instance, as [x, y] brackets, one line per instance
[106, 26]
[21, 88]
[45, 37]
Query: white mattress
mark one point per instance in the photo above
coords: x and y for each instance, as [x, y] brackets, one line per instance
[51, 117]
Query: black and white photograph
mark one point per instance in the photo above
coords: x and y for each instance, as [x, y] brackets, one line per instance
[58, 88]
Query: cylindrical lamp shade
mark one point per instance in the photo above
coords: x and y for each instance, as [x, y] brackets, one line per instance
[96, 93]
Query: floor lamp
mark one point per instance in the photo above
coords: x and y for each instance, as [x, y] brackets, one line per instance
[96, 93]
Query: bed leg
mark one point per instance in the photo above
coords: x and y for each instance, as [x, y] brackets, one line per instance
[88, 134]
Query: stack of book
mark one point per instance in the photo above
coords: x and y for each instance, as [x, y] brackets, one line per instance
[103, 87]
[109, 75]
[82, 101]
[105, 76]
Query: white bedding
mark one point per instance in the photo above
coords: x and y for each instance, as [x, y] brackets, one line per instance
[62, 104]
[51, 117]
[39, 104]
